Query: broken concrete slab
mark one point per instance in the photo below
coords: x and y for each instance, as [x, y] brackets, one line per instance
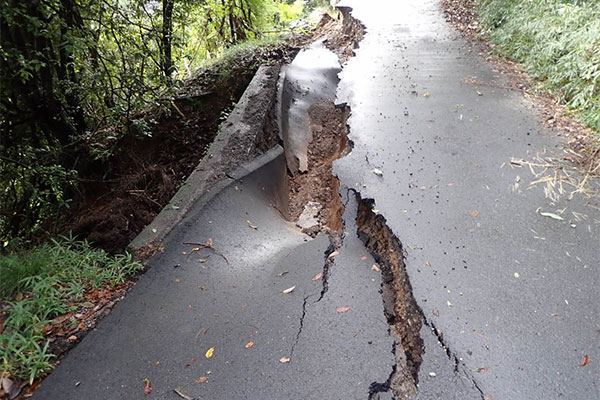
[309, 219]
[311, 77]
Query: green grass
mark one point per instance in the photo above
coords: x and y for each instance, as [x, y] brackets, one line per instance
[558, 42]
[38, 285]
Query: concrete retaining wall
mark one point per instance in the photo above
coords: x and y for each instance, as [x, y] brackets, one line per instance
[236, 144]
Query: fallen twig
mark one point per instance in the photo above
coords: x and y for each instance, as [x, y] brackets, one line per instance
[207, 245]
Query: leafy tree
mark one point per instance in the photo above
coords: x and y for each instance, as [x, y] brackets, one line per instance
[75, 75]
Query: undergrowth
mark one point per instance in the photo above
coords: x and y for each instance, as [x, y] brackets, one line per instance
[558, 42]
[45, 282]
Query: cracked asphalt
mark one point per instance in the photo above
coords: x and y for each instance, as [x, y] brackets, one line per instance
[188, 303]
[512, 294]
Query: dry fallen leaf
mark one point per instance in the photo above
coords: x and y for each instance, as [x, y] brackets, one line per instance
[147, 387]
[202, 379]
[363, 258]
[333, 254]
[210, 352]
[317, 276]
[482, 369]
[436, 312]
[252, 226]
[191, 362]
[288, 290]
[343, 309]
[552, 215]
[375, 268]
[183, 394]
[282, 273]
[377, 171]
[10, 388]
[285, 360]
[474, 213]
[586, 360]
[249, 344]
[428, 263]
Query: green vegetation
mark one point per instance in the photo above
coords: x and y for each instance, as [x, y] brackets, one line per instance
[558, 42]
[43, 283]
[75, 75]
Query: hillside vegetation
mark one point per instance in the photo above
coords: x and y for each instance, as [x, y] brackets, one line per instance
[557, 41]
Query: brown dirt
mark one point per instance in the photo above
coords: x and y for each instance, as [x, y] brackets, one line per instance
[329, 140]
[329, 131]
[119, 197]
[342, 33]
[582, 142]
[400, 306]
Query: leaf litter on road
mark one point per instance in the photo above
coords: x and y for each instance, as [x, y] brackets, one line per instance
[147, 387]
[377, 171]
[586, 361]
[206, 245]
[552, 215]
[288, 290]
[183, 394]
[210, 352]
[341, 310]
[317, 276]
[284, 360]
[251, 225]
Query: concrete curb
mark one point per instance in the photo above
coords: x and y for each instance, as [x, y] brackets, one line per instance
[234, 149]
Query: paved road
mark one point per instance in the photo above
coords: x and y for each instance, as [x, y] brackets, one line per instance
[514, 294]
[188, 303]
[511, 294]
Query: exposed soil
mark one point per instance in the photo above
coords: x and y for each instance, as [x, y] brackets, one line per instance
[124, 194]
[583, 143]
[329, 133]
[342, 33]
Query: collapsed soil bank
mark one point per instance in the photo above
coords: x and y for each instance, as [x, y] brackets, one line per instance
[126, 192]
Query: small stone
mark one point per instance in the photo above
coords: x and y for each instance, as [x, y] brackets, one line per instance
[308, 220]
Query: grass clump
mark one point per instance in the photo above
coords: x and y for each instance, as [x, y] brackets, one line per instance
[37, 286]
[558, 42]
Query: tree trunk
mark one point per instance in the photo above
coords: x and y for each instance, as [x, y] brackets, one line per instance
[167, 36]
